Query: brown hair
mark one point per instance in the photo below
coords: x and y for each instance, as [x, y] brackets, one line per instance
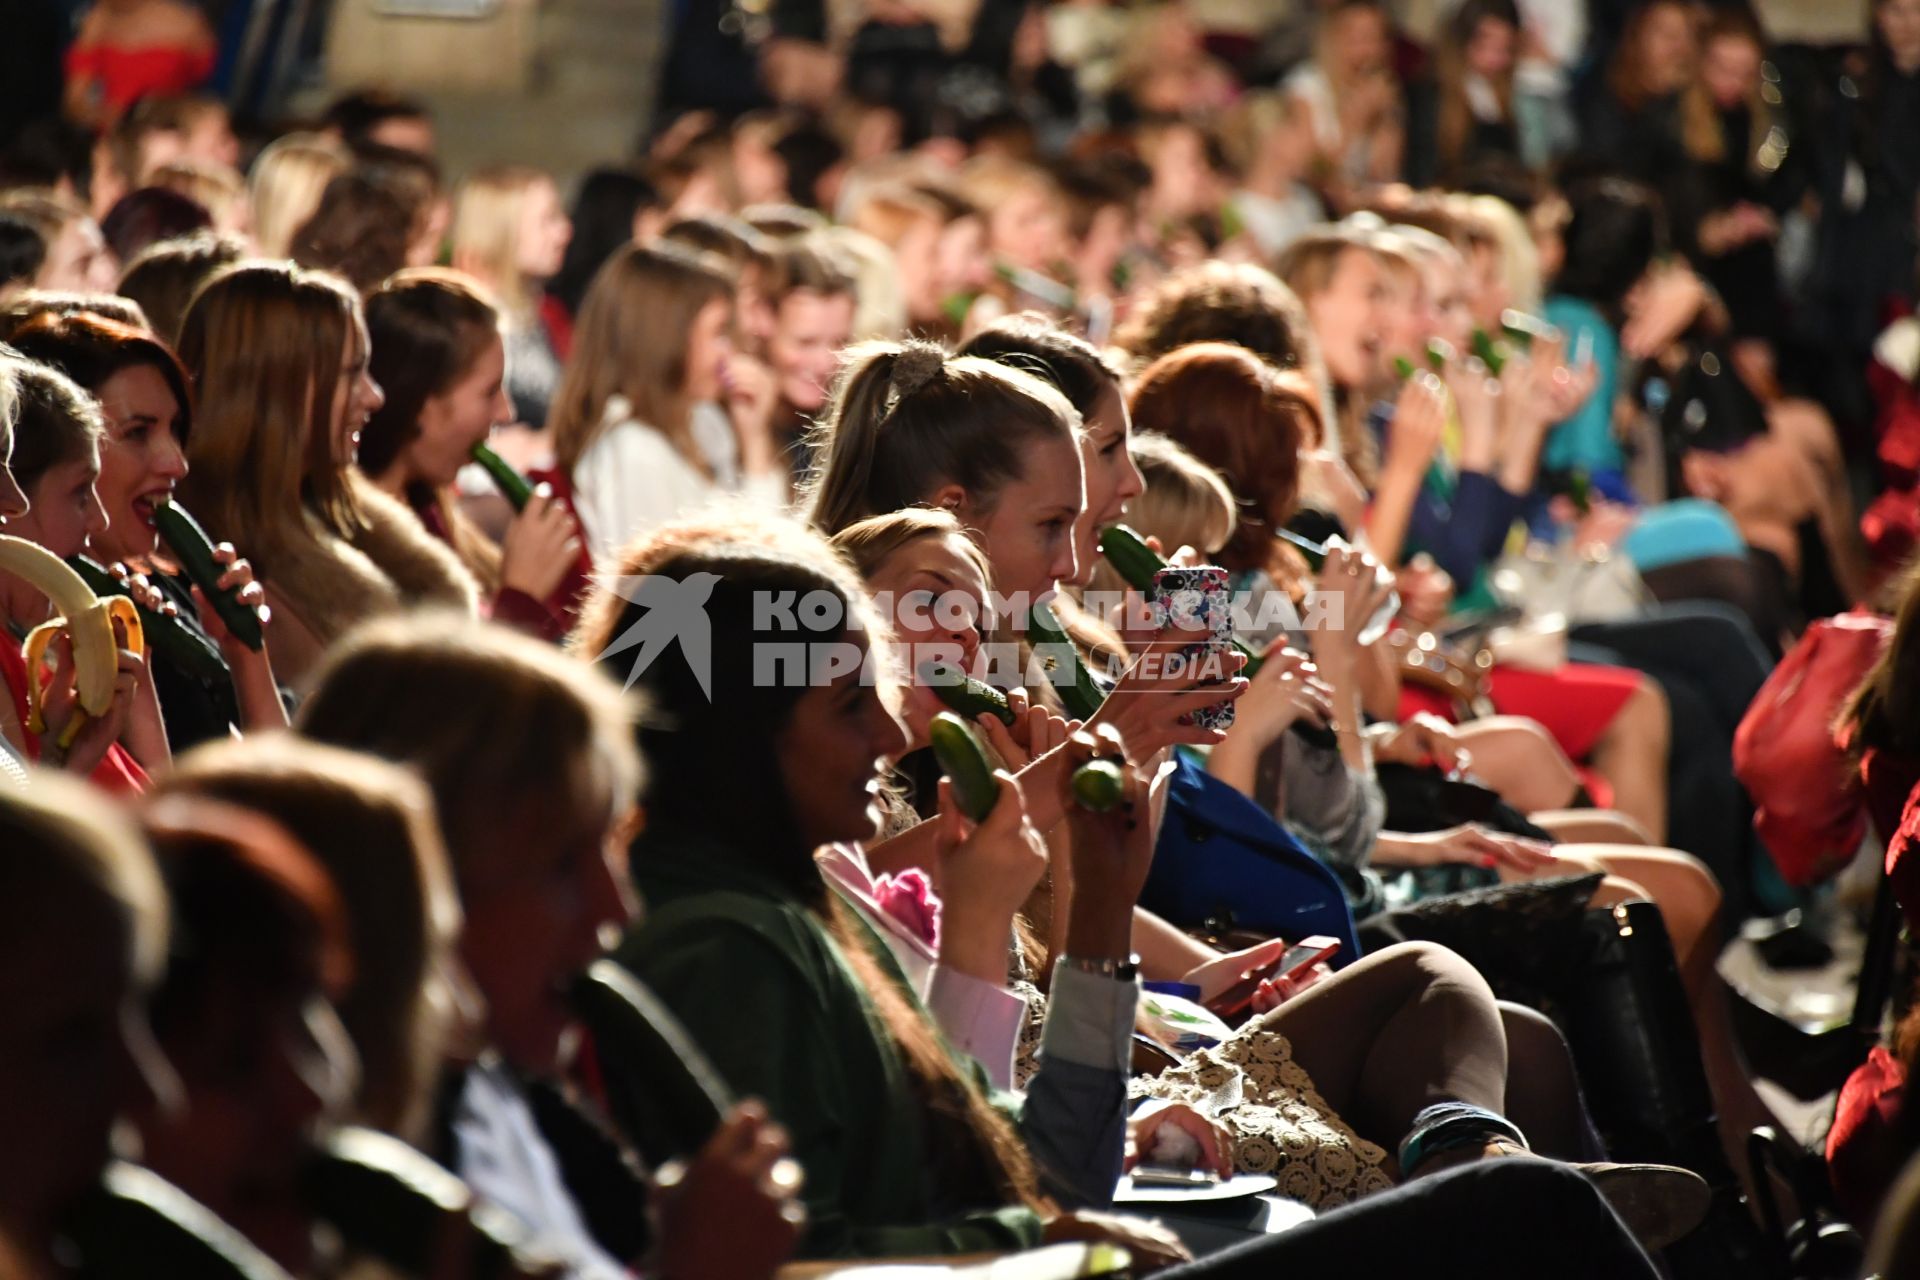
[1231, 412]
[263, 342]
[427, 327]
[631, 341]
[1455, 123]
[55, 422]
[1626, 77]
[1700, 130]
[370, 825]
[1221, 302]
[163, 277]
[1884, 709]
[906, 418]
[360, 230]
[496, 724]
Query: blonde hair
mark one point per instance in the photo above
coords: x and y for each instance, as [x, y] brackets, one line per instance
[888, 212]
[906, 418]
[217, 189]
[370, 826]
[1511, 239]
[989, 181]
[487, 214]
[502, 728]
[870, 543]
[879, 304]
[285, 187]
[263, 343]
[631, 341]
[1245, 125]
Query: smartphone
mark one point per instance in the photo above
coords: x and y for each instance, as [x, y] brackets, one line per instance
[1196, 600]
[1295, 960]
[1166, 1175]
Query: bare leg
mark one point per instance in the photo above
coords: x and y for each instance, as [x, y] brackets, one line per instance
[1589, 826]
[1632, 755]
[1519, 759]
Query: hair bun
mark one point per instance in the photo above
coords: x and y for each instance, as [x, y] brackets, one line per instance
[915, 366]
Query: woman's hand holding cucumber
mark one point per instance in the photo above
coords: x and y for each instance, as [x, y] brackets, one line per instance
[1030, 749]
[985, 875]
[1112, 849]
[254, 687]
[541, 546]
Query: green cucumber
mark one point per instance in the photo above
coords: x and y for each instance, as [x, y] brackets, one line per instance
[1080, 695]
[1402, 368]
[512, 485]
[965, 763]
[1099, 786]
[1136, 563]
[1440, 354]
[1130, 556]
[194, 550]
[165, 636]
[1492, 354]
[966, 695]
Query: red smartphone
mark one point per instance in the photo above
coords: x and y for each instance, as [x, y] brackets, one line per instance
[1295, 960]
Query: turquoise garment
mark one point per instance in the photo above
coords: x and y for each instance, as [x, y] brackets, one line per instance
[1585, 441]
[1681, 530]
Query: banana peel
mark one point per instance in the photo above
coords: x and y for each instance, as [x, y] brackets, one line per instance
[88, 622]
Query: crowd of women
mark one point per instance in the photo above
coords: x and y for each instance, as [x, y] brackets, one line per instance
[540, 755]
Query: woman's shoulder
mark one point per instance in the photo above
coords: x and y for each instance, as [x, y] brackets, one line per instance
[745, 937]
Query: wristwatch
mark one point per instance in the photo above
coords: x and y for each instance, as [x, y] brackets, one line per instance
[1119, 970]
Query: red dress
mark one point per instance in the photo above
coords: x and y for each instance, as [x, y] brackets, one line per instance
[1575, 703]
[117, 771]
[124, 75]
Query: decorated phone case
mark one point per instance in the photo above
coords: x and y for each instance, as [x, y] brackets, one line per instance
[1197, 600]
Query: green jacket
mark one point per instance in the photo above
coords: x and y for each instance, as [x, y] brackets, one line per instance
[767, 994]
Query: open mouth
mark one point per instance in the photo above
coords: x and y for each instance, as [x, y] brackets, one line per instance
[144, 504]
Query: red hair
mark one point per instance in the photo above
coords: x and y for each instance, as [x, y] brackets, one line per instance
[1232, 411]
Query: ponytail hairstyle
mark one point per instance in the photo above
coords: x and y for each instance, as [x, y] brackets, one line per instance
[905, 418]
[631, 341]
[428, 327]
[1235, 414]
[699, 748]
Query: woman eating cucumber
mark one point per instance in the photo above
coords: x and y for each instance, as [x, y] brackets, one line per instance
[55, 459]
[209, 678]
[792, 995]
[439, 359]
[279, 360]
[1001, 449]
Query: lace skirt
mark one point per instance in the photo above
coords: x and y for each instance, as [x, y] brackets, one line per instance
[1280, 1123]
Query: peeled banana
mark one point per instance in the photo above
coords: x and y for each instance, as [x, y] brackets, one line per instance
[88, 621]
